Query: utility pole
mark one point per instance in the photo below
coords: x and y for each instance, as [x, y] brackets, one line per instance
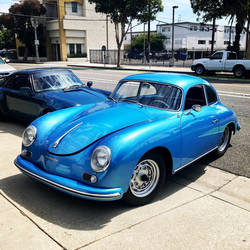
[149, 15]
[213, 33]
[35, 23]
[172, 61]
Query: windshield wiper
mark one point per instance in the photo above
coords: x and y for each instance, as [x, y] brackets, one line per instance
[112, 98]
[72, 87]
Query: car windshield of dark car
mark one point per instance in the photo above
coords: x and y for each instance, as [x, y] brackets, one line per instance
[156, 95]
[54, 80]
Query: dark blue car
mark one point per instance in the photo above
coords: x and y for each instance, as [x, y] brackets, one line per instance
[27, 94]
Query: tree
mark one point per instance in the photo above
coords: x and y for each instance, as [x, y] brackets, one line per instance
[238, 10]
[7, 39]
[157, 42]
[123, 12]
[19, 19]
[210, 11]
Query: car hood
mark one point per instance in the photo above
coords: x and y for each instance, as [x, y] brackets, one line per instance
[201, 60]
[64, 99]
[93, 124]
[6, 68]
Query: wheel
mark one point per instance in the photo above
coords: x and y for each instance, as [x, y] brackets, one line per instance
[239, 71]
[148, 176]
[199, 70]
[224, 143]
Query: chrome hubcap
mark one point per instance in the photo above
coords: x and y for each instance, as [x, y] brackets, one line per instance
[199, 70]
[145, 178]
[224, 139]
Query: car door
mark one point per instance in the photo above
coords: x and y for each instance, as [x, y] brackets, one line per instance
[199, 129]
[20, 98]
[216, 62]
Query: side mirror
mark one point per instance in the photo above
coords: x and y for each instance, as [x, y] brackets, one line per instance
[26, 91]
[89, 84]
[196, 107]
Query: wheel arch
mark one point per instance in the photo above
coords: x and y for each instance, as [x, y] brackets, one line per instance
[232, 127]
[239, 65]
[166, 155]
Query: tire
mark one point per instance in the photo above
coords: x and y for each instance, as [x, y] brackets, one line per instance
[239, 71]
[199, 70]
[225, 141]
[148, 177]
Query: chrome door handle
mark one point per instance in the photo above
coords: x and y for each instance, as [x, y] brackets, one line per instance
[215, 121]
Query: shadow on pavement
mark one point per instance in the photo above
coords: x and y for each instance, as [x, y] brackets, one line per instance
[73, 213]
[12, 126]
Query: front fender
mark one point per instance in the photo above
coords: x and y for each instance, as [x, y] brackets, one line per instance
[130, 145]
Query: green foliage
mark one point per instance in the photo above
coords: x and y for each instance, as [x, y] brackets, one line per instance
[7, 39]
[156, 41]
[122, 12]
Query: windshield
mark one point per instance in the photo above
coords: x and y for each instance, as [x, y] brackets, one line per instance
[54, 80]
[2, 61]
[156, 95]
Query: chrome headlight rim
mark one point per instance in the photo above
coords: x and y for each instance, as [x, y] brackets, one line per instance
[96, 168]
[34, 132]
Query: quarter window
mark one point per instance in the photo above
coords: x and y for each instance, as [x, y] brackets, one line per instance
[195, 95]
[211, 96]
[18, 81]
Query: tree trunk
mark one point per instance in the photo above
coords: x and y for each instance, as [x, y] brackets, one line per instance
[238, 29]
[25, 56]
[119, 56]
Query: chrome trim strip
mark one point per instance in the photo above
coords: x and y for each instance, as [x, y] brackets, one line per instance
[178, 169]
[56, 143]
[99, 196]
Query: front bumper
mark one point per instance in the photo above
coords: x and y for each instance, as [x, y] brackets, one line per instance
[66, 185]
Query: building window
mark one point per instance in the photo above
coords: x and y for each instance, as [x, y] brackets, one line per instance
[210, 42]
[74, 7]
[201, 41]
[71, 49]
[78, 49]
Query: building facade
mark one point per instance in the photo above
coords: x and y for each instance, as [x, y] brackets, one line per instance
[73, 28]
[197, 37]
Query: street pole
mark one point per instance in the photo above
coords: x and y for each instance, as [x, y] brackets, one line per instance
[213, 33]
[107, 32]
[149, 13]
[172, 61]
[34, 23]
[144, 44]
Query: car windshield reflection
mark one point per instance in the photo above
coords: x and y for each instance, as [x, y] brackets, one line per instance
[54, 80]
[152, 94]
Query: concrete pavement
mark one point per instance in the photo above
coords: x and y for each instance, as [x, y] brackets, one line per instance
[199, 208]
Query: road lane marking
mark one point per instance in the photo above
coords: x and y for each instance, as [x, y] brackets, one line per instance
[232, 93]
[237, 96]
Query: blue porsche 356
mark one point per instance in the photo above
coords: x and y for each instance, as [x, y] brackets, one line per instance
[150, 125]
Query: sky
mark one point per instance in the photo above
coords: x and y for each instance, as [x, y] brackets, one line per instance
[182, 14]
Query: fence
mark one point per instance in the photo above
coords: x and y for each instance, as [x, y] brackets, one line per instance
[182, 59]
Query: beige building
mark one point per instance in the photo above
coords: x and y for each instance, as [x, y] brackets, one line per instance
[75, 28]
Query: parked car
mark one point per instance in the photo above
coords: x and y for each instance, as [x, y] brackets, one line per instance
[222, 61]
[150, 125]
[28, 94]
[5, 69]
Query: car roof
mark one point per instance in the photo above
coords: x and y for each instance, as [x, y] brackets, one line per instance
[35, 70]
[181, 80]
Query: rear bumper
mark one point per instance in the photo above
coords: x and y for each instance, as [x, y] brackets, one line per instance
[66, 185]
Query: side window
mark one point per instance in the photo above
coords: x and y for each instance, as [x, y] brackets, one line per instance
[211, 96]
[195, 95]
[217, 56]
[18, 81]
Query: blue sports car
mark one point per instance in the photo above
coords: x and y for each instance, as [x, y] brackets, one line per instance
[150, 125]
[27, 94]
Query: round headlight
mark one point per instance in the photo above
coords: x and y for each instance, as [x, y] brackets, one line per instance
[100, 159]
[29, 136]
